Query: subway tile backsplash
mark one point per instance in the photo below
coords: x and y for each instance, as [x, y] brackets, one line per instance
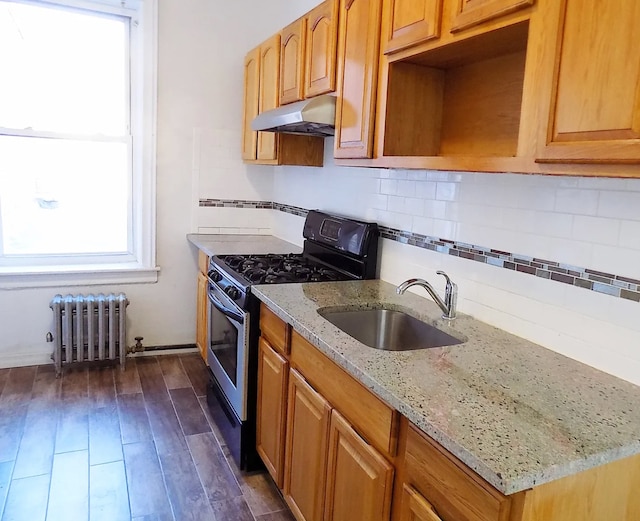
[555, 260]
[554, 270]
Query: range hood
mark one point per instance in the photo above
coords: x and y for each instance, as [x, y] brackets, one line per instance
[310, 117]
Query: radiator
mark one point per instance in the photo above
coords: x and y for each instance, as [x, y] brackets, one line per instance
[89, 327]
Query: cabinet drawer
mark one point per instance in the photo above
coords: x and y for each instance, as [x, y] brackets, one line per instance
[274, 329]
[371, 417]
[456, 493]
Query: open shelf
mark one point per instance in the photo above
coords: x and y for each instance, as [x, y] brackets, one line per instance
[460, 100]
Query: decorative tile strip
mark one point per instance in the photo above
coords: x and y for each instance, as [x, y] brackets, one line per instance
[605, 283]
[243, 203]
[287, 208]
[236, 203]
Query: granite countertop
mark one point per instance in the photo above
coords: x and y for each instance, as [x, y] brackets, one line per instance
[518, 414]
[236, 244]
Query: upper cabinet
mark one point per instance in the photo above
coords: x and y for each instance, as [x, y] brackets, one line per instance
[593, 87]
[473, 12]
[320, 56]
[358, 49]
[268, 95]
[262, 93]
[308, 66]
[251, 96]
[292, 64]
[532, 86]
[410, 23]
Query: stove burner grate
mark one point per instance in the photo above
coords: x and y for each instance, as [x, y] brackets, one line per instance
[277, 269]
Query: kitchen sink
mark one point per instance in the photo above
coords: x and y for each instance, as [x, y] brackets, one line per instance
[388, 329]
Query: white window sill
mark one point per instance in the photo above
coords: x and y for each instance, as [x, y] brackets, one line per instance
[99, 274]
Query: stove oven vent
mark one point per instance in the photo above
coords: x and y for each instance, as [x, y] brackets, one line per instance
[88, 328]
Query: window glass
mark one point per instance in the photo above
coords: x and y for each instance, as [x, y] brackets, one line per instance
[62, 70]
[63, 196]
[65, 145]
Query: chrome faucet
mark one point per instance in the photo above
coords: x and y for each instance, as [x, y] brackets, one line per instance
[448, 306]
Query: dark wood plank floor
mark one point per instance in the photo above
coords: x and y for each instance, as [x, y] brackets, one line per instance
[102, 445]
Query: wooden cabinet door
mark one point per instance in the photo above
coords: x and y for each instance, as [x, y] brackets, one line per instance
[595, 88]
[359, 479]
[415, 507]
[202, 305]
[273, 372]
[410, 22]
[320, 56]
[292, 62]
[474, 12]
[306, 449]
[269, 96]
[251, 95]
[358, 46]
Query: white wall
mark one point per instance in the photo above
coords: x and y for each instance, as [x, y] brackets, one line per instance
[586, 222]
[201, 48]
[218, 170]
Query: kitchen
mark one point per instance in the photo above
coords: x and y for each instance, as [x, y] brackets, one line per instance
[582, 221]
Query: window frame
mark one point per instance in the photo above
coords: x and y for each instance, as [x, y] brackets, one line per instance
[138, 265]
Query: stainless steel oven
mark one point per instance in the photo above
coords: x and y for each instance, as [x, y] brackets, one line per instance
[336, 248]
[227, 349]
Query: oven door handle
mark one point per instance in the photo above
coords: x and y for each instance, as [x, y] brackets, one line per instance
[225, 310]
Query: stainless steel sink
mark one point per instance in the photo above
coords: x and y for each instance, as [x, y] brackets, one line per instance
[389, 330]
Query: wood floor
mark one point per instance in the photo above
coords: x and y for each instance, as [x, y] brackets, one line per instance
[99, 444]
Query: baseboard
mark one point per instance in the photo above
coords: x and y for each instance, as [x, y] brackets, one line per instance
[180, 349]
[24, 359]
[44, 357]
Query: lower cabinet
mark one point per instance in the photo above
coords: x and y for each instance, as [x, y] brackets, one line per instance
[273, 374]
[326, 469]
[453, 491]
[415, 507]
[306, 449]
[359, 479]
[202, 306]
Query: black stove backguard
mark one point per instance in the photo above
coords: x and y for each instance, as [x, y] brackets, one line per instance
[341, 243]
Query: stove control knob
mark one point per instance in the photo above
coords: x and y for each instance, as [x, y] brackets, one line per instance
[215, 276]
[232, 292]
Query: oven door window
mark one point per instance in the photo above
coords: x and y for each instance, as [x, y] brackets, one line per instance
[227, 348]
[223, 343]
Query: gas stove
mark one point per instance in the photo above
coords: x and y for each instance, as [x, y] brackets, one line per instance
[279, 269]
[335, 249]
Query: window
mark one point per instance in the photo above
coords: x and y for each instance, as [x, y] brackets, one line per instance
[77, 114]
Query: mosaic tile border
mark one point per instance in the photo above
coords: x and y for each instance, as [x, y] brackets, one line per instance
[606, 283]
[262, 205]
[236, 203]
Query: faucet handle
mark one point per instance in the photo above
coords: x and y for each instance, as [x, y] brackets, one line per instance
[450, 283]
[450, 295]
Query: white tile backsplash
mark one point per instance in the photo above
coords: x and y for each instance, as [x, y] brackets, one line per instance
[577, 201]
[585, 222]
[629, 234]
[596, 229]
[620, 205]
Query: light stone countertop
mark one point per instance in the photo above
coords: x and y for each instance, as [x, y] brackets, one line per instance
[236, 244]
[518, 414]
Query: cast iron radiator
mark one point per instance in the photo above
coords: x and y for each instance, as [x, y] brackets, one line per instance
[89, 327]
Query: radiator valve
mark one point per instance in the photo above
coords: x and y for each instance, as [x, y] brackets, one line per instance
[138, 347]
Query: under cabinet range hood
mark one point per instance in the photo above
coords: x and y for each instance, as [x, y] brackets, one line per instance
[310, 117]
